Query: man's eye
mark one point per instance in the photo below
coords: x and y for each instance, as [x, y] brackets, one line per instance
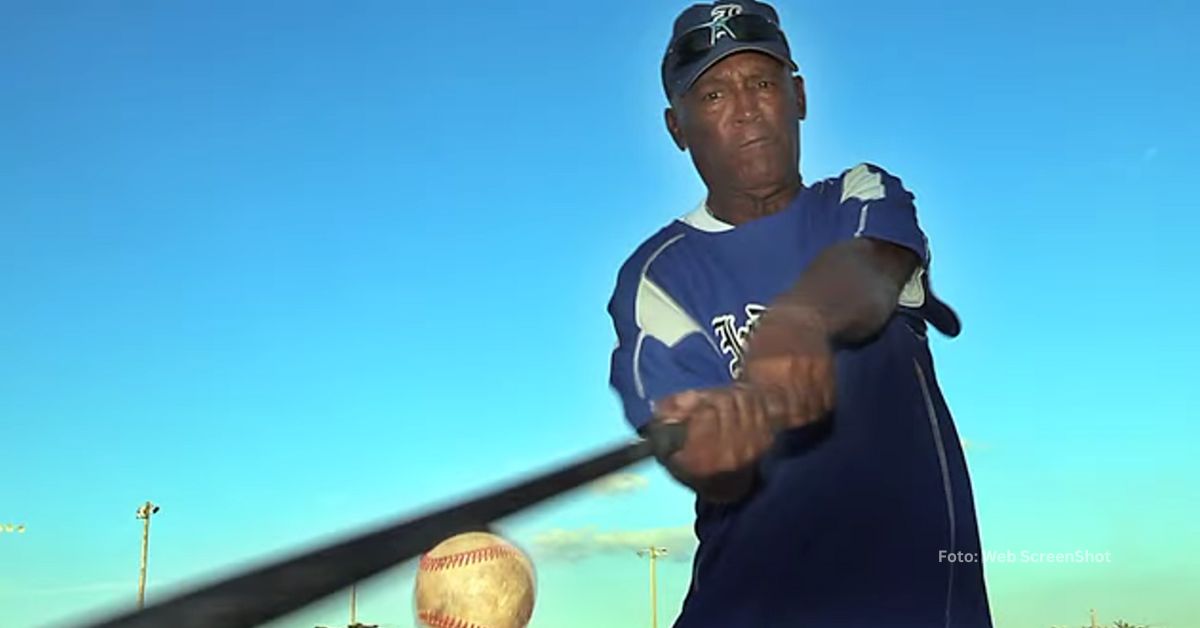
[766, 84]
[712, 95]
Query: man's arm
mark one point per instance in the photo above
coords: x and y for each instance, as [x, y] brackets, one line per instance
[851, 289]
[846, 295]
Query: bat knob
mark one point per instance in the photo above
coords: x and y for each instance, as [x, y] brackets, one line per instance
[666, 438]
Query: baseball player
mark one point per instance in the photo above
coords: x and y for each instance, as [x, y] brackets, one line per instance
[785, 323]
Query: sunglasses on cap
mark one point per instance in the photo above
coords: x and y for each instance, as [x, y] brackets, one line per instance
[694, 43]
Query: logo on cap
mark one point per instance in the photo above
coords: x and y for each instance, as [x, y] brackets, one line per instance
[720, 15]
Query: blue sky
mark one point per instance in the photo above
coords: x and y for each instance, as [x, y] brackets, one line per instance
[289, 269]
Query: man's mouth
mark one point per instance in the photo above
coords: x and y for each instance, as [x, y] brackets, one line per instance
[757, 141]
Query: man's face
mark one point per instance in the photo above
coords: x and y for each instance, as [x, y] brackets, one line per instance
[740, 121]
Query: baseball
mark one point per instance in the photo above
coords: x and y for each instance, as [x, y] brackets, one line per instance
[474, 580]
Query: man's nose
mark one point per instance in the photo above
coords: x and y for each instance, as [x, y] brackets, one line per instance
[748, 107]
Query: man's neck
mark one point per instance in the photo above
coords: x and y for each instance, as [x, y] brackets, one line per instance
[740, 206]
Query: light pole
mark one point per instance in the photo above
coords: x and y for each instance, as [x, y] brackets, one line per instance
[653, 552]
[354, 611]
[144, 512]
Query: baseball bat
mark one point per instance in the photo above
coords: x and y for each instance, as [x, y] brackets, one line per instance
[267, 592]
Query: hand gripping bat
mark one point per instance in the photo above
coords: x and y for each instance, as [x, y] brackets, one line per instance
[267, 592]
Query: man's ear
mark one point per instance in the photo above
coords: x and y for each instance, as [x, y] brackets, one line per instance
[801, 99]
[672, 120]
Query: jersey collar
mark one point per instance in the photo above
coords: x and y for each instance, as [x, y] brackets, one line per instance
[703, 219]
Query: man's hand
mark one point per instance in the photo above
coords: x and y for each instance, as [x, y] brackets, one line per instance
[728, 429]
[789, 357]
[787, 382]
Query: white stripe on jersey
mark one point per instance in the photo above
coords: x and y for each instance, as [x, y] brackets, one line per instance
[658, 315]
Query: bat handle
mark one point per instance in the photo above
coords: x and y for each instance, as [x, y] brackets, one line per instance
[666, 438]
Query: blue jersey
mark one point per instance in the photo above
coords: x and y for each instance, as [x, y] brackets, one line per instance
[866, 519]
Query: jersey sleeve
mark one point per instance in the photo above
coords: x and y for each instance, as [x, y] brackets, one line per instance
[875, 204]
[661, 348]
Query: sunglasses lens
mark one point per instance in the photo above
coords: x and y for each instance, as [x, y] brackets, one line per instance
[696, 43]
[753, 28]
[691, 46]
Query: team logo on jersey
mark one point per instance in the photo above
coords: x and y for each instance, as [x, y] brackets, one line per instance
[732, 336]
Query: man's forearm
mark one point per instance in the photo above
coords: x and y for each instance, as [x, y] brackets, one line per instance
[852, 288]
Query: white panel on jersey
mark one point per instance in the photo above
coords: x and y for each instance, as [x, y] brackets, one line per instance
[913, 294]
[859, 182]
[704, 220]
[658, 315]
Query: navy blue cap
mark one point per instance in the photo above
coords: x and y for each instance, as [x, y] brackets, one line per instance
[717, 22]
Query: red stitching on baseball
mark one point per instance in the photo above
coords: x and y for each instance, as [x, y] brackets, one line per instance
[470, 557]
[438, 620]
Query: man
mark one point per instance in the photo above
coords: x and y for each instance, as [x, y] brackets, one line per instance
[785, 324]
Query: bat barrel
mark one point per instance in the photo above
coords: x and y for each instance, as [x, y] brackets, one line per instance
[262, 594]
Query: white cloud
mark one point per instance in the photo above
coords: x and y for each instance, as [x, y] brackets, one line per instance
[577, 544]
[618, 483]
